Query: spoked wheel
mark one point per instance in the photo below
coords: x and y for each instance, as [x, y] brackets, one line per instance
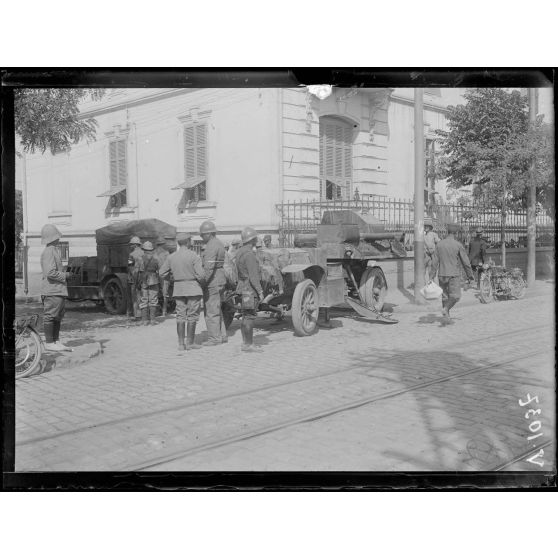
[305, 308]
[28, 352]
[373, 288]
[517, 287]
[485, 291]
[114, 296]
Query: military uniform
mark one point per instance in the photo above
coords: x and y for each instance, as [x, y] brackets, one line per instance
[53, 292]
[213, 260]
[249, 280]
[149, 282]
[477, 252]
[162, 254]
[187, 270]
[448, 258]
[134, 289]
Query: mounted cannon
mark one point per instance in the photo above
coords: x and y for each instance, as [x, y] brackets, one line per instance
[337, 264]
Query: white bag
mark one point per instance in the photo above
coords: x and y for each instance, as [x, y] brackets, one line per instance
[431, 291]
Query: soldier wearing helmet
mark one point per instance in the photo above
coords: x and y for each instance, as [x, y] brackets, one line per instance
[149, 282]
[134, 289]
[161, 253]
[430, 241]
[447, 259]
[249, 287]
[267, 241]
[187, 270]
[477, 253]
[213, 260]
[53, 289]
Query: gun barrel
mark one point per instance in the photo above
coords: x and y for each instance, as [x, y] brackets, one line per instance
[371, 237]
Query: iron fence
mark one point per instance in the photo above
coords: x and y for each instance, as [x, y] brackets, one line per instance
[397, 215]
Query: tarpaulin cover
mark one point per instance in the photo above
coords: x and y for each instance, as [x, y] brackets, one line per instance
[365, 221]
[146, 229]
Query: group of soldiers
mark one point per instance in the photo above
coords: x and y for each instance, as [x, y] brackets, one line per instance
[446, 257]
[195, 278]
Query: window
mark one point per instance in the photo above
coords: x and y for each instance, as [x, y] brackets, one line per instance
[195, 165]
[336, 159]
[118, 163]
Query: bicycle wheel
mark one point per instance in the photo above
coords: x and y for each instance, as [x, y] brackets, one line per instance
[28, 352]
[485, 291]
[517, 287]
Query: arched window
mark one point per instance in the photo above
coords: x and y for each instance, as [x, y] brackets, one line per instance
[336, 158]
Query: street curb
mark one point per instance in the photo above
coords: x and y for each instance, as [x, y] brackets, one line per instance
[80, 355]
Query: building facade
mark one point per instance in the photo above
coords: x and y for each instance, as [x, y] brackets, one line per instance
[229, 155]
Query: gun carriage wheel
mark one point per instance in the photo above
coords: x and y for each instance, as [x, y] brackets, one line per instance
[373, 288]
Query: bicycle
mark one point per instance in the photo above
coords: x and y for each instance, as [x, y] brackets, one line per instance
[496, 282]
[28, 346]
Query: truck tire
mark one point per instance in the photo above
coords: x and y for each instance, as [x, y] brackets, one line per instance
[305, 308]
[373, 288]
[115, 296]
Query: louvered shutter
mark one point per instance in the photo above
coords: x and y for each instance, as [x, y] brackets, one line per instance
[122, 164]
[336, 158]
[201, 160]
[113, 165]
[189, 156]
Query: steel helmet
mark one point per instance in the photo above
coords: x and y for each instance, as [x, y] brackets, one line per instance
[147, 246]
[49, 233]
[235, 241]
[208, 227]
[135, 240]
[248, 234]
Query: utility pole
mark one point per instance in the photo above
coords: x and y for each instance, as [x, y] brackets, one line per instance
[419, 195]
[532, 202]
[25, 226]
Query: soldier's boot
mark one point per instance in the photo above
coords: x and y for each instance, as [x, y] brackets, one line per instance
[191, 337]
[145, 316]
[247, 329]
[180, 331]
[164, 310]
[152, 313]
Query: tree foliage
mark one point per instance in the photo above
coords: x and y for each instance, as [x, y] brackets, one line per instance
[18, 217]
[49, 118]
[491, 145]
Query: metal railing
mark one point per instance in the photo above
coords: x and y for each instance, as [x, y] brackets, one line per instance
[303, 216]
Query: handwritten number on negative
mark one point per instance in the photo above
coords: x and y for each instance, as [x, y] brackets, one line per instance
[534, 411]
[529, 399]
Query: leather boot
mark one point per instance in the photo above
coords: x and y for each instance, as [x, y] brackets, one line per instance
[180, 331]
[152, 312]
[191, 337]
[48, 328]
[145, 316]
[164, 310]
[247, 328]
[56, 330]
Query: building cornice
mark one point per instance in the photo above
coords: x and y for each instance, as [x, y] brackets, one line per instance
[127, 103]
[426, 104]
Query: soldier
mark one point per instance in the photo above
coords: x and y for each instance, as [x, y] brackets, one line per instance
[449, 252]
[430, 241]
[149, 282]
[161, 253]
[187, 270]
[249, 287]
[53, 290]
[267, 241]
[134, 291]
[213, 260]
[477, 252]
[235, 245]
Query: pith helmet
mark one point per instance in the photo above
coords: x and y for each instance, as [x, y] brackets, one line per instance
[135, 240]
[208, 227]
[147, 246]
[480, 230]
[49, 233]
[452, 227]
[248, 234]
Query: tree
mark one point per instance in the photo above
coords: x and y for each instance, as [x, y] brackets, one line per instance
[49, 118]
[490, 145]
[18, 217]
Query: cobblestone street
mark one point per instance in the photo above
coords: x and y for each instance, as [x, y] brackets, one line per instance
[415, 396]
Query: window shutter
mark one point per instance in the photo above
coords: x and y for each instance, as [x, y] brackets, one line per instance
[201, 160]
[189, 156]
[336, 158]
[122, 164]
[113, 164]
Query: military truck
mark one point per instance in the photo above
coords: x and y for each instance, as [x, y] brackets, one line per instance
[104, 278]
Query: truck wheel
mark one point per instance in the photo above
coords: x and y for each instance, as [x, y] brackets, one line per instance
[305, 308]
[114, 295]
[373, 288]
